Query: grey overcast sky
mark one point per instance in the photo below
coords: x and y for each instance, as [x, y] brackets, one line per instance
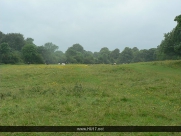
[92, 23]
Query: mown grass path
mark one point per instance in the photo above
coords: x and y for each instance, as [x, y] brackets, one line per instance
[130, 94]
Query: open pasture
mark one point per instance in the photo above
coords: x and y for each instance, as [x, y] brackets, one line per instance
[112, 95]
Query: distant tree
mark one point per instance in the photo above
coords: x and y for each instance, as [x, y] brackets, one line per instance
[30, 54]
[43, 52]
[70, 55]
[29, 41]
[75, 54]
[137, 57]
[171, 45]
[15, 40]
[4, 48]
[114, 55]
[8, 56]
[136, 54]
[104, 55]
[177, 36]
[96, 56]
[4, 53]
[88, 57]
[77, 47]
[88, 53]
[16, 57]
[60, 57]
[1, 35]
[51, 47]
[48, 52]
[126, 55]
[79, 57]
[135, 49]
[151, 54]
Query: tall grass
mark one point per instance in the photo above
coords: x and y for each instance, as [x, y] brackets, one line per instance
[130, 94]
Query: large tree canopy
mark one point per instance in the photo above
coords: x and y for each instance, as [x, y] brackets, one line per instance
[171, 45]
[15, 40]
[30, 54]
[75, 54]
[126, 55]
[51, 47]
[104, 55]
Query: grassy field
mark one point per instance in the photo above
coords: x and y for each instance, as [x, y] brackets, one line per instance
[92, 95]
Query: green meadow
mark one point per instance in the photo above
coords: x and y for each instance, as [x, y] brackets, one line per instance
[139, 94]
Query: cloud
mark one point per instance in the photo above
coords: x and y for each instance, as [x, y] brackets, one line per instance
[92, 23]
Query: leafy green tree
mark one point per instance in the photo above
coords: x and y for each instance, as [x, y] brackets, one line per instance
[77, 47]
[75, 54]
[151, 54]
[60, 57]
[4, 53]
[138, 57]
[135, 49]
[104, 56]
[8, 56]
[70, 55]
[126, 55]
[171, 45]
[79, 57]
[31, 55]
[88, 57]
[43, 52]
[4, 48]
[177, 36]
[145, 55]
[48, 52]
[16, 57]
[51, 47]
[29, 41]
[96, 56]
[1, 35]
[114, 55]
[15, 40]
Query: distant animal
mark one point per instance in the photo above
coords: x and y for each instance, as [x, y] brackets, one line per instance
[58, 63]
[63, 63]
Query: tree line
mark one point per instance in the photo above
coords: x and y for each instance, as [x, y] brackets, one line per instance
[14, 48]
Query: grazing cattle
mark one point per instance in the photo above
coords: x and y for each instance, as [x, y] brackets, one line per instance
[63, 63]
[58, 63]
